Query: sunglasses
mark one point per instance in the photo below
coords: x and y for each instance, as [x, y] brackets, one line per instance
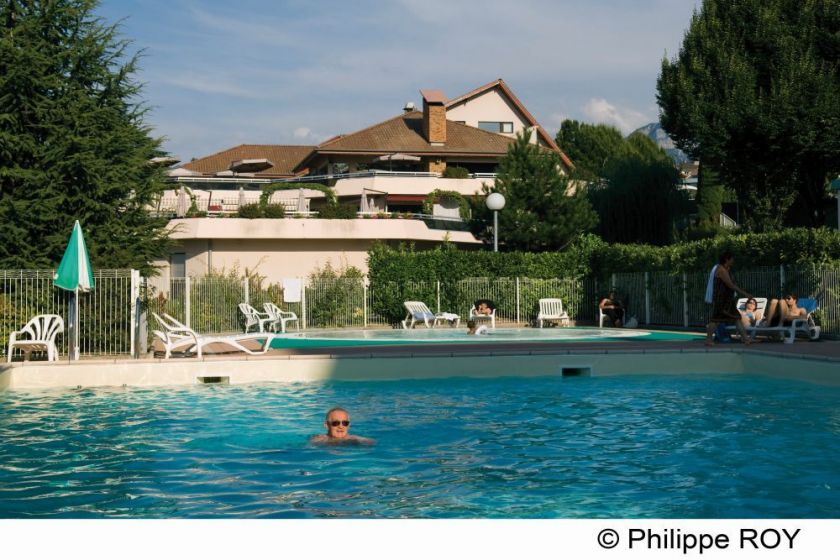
[337, 423]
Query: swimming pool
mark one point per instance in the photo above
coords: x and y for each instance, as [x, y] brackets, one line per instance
[713, 446]
[460, 336]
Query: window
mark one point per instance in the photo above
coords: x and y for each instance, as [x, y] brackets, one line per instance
[178, 265]
[496, 126]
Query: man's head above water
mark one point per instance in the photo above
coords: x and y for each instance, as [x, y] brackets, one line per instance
[337, 422]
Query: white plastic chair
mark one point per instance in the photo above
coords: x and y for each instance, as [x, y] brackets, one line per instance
[419, 311]
[177, 335]
[37, 335]
[551, 309]
[254, 317]
[278, 316]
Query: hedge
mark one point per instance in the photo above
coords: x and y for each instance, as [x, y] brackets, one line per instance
[589, 256]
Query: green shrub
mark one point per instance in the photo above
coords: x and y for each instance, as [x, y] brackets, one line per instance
[338, 212]
[250, 211]
[274, 211]
[455, 172]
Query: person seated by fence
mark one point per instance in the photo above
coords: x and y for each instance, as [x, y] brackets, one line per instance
[612, 307]
[484, 307]
[784, 311]
[751, 315]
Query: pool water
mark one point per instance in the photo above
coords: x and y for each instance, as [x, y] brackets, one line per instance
[445, 335]
[728, 446]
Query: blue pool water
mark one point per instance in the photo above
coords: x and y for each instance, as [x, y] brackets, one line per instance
[633, 446]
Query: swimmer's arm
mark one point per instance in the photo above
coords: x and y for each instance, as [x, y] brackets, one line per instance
[362, 440]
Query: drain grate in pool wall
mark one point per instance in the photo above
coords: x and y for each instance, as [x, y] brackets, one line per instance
[210, 380]
[577, 371]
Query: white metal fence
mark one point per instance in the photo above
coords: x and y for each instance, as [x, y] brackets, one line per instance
[115, 317]
[107, 314]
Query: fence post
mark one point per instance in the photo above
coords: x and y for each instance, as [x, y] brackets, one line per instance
[517, 299]
[685, 299]
[782, 278]
[187, 301]
[134, 302]
[612, 281]
[647, 298]
[303, 303]
[437, 294]
[365, 288]
[246, 287]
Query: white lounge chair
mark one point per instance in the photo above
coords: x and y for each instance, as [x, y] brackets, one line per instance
[254, 317]
[551, 309]
[176, 336]
[806, 325]
[419, 311]
[479, 318]
[279, 317]
[37, 335]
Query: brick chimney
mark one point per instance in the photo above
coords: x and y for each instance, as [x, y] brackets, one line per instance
[434, 116]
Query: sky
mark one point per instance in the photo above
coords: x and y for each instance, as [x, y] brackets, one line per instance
[220, 73]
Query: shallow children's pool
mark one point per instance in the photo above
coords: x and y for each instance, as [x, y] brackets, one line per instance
[447, 335]
[727, 446]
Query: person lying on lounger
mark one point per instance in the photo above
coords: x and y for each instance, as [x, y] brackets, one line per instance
[784, 311]
[751, 315]
[337, 423]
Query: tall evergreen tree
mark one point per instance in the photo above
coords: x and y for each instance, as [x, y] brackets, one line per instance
[631, 183]
[755, 93]
[541, 212]
[73, 144]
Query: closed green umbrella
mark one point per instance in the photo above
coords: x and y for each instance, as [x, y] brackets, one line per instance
[75, 275]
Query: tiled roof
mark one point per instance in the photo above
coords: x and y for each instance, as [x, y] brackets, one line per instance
[284, 158]
[404, 134]
[500, 83]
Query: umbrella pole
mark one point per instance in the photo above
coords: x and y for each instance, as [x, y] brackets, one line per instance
[76, 325]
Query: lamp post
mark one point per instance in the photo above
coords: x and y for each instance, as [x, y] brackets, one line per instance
[835, 186]
[495, 202]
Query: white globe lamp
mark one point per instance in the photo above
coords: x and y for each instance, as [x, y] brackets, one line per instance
[495, 202]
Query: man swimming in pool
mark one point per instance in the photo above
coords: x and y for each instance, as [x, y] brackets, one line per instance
[337, 422]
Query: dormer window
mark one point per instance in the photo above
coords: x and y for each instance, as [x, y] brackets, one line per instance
[496, 126]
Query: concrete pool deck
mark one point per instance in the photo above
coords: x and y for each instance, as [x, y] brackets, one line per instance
[817, 362]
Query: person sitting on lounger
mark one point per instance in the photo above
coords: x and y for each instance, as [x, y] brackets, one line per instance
[784, 311]
[611, 307]
[337, 423]
[751, 315]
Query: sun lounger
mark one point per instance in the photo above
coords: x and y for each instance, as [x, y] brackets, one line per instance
[279, 317]
[254, 317]
[788, 329]
[419, 311]
[37, 335]
[177, 336]
[551, 309]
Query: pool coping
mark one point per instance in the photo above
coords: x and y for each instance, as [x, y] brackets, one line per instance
[815, 362]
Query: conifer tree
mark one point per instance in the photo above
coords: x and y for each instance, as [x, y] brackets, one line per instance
[541, 212]
[73, 144]
[755, 93]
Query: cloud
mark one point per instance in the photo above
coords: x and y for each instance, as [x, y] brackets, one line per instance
[626, 120]
[203, 84]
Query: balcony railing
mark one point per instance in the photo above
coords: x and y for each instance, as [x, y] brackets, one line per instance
[322, 178]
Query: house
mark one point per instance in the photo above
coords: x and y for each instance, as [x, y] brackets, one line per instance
[387, 171]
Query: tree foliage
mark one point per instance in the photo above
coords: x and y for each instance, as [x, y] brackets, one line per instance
[541, 211]
[73, 144]
[631, 183]
[755, 93]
